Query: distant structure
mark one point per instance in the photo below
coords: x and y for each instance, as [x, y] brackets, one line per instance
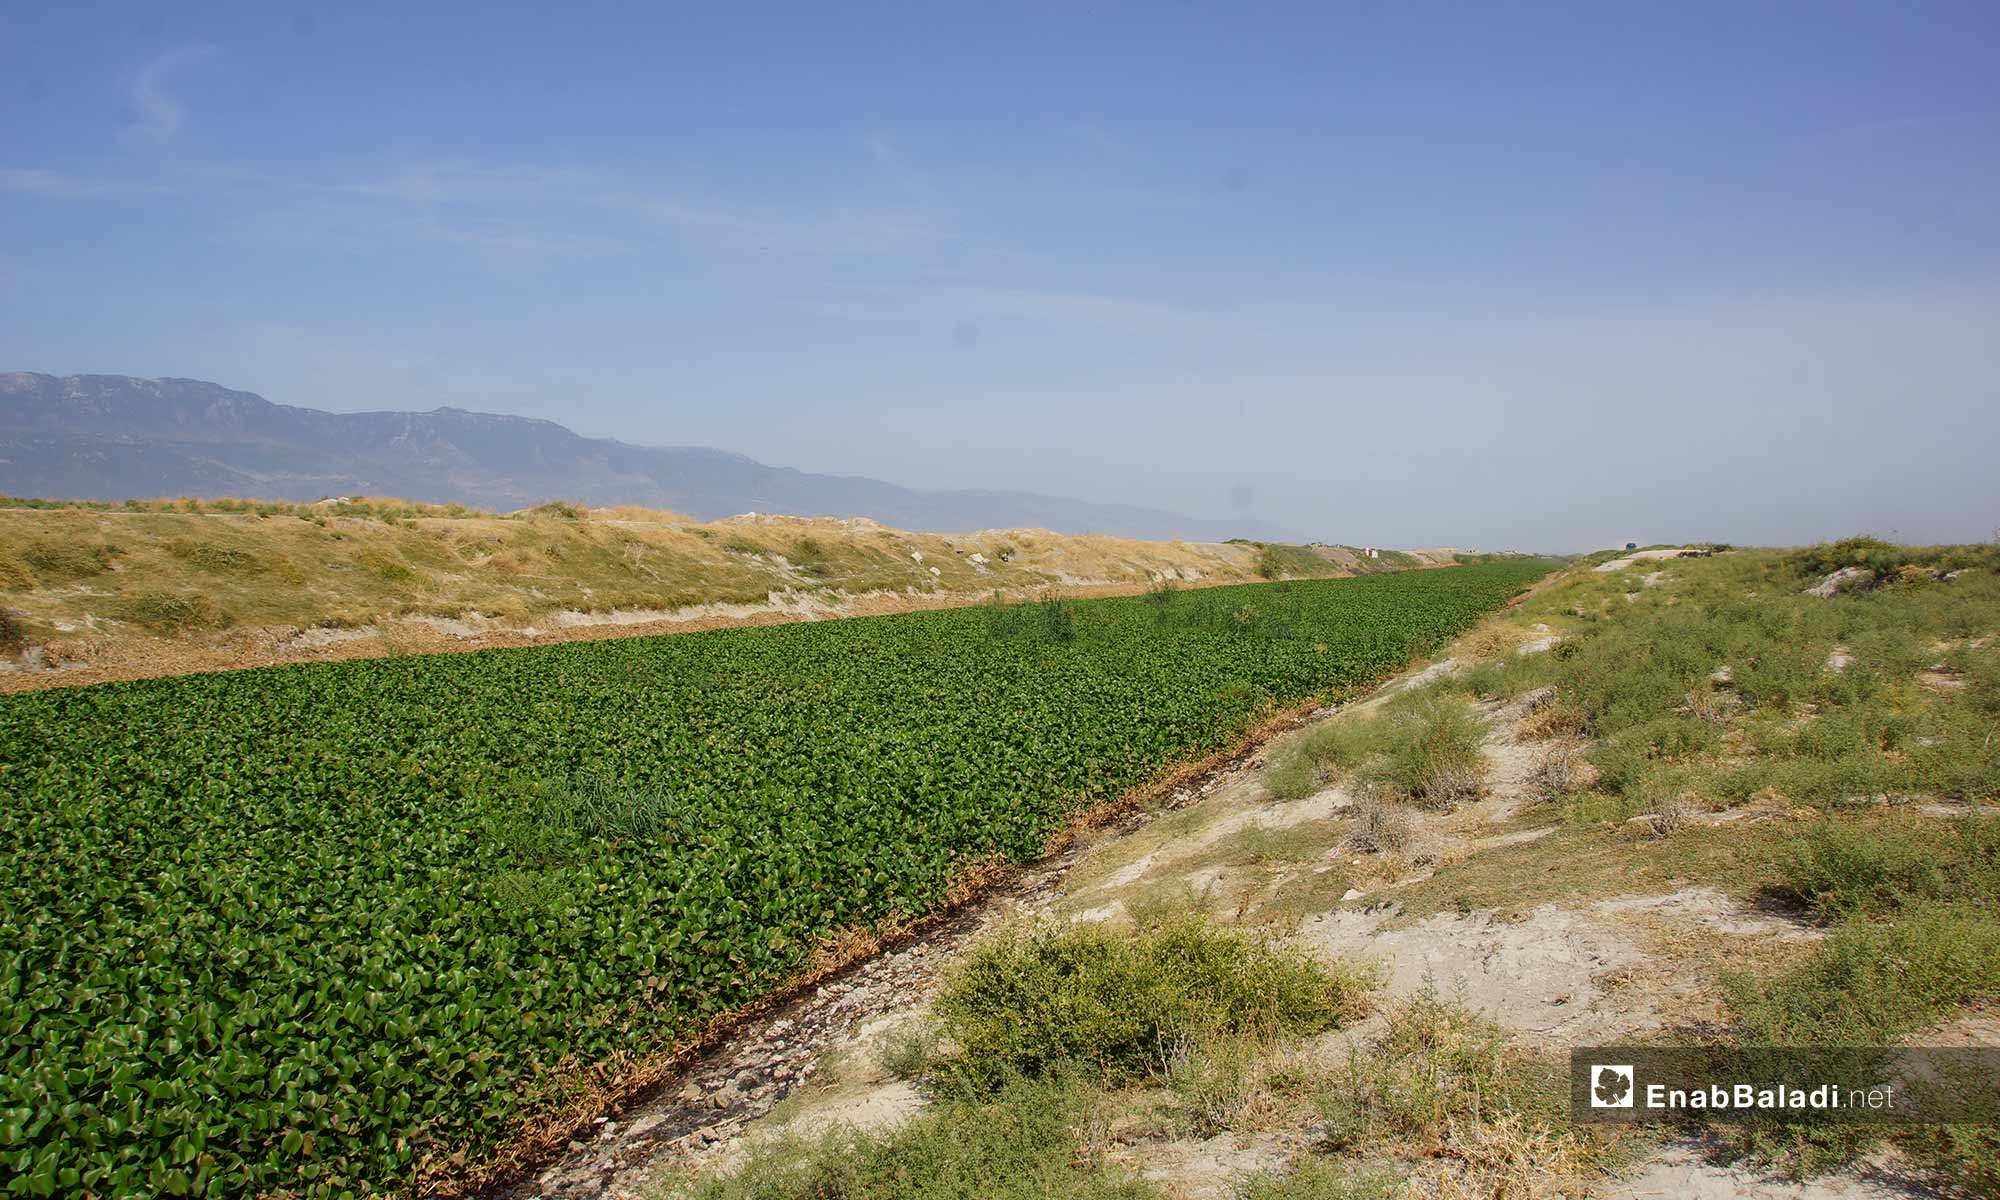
[1631, 545]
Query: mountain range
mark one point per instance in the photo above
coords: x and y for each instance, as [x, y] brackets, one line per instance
[116, 437]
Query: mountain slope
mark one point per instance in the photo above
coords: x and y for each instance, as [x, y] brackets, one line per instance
[115, 437]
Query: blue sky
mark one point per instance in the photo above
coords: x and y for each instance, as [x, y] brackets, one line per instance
[1540, 276]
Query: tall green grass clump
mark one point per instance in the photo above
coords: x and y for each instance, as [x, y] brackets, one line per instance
[1049, 619]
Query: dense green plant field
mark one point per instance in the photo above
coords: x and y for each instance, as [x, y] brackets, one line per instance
[328, 929]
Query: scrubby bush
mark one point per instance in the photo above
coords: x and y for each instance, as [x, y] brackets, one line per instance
[1027, 1140]
[212, 556]
[1380, 824]
[56, 561]
[14, 574]
[1887, 559]
[1840, 869]
[386, 566]
[1114, 1004]
[1435, 759]
[173, 612]
[1870, 983]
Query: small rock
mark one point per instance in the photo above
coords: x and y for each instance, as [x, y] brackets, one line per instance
[689, 1094]
[1353, 894]
[1847, 579]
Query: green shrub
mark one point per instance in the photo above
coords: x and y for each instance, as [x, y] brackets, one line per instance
[1117, 1004]
[1870, 983]
[1276, 560]
[1426, 746]
[1293, 774]
[1840, 870]
[1886, 559]
[1434, 754]
[1020, 1143]
[810, 555]
[1437, 1066]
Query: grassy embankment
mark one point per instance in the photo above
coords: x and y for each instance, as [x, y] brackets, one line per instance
[100, 584]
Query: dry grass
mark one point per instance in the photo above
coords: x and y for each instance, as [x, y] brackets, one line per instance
[1559, 719]
[94, 585]
[1672, 814]
[1559, 770]
[1381, 825]
[1494, 639]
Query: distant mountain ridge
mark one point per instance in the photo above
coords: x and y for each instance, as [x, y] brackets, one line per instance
[116, 437]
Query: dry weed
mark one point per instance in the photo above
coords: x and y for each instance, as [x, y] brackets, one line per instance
[1380, 824]
[1559, 770]
[1673, 814]
[1492, 641]
[1558, 718]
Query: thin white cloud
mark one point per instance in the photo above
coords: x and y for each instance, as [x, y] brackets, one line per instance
[755, 228]
[520, 246]
[972, 303]
[40, 181]
[160, 116]
[456, 181]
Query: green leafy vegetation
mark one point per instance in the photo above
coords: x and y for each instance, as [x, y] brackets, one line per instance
[335, 928]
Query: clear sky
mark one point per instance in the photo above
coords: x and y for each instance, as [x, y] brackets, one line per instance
[1495, 275]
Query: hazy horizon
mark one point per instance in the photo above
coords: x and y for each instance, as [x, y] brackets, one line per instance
[1402, 276]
